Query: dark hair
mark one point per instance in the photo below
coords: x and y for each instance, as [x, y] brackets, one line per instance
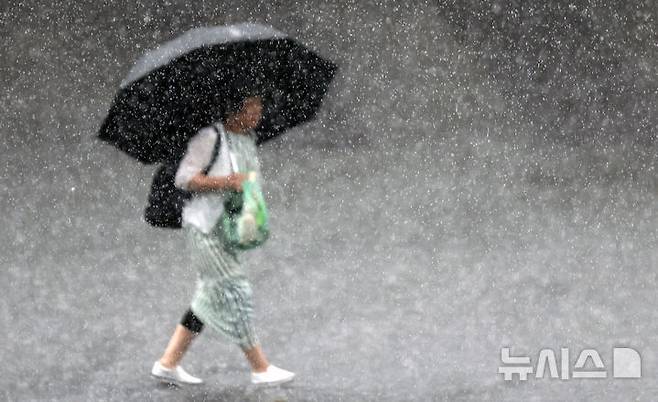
[233, 106]
[234, 102]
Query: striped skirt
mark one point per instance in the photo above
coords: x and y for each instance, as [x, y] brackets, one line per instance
[223, 296]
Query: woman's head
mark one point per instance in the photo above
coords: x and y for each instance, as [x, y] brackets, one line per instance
[245, 113]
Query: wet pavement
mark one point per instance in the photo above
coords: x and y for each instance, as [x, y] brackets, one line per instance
[425, 220]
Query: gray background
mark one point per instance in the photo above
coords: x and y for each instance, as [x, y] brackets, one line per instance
[481, 175]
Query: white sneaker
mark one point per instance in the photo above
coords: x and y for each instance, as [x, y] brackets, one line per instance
[176, 376]
[272, 376]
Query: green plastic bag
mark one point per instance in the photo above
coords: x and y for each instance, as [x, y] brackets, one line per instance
[245, 221]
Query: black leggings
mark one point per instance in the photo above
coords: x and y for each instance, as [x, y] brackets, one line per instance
[191, 322]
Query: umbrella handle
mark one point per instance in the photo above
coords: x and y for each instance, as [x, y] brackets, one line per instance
[234, 165]
[224, 138]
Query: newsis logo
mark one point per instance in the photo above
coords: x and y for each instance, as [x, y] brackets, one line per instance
[626, 363]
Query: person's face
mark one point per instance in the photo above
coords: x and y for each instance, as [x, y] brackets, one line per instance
[251, 113]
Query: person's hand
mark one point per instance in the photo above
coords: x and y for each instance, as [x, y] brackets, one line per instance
[235, 180]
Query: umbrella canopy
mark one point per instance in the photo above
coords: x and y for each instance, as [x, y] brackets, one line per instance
[187, 83]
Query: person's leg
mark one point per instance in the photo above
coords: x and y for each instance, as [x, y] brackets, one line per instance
[262, 372]
[183, 335]
[225, 302]
[256, 358]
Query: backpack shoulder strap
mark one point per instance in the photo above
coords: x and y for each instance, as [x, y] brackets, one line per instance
[215, 151]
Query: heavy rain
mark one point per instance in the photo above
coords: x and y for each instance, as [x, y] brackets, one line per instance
[476, 192]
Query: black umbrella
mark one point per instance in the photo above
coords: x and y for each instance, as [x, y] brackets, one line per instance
[187, 83]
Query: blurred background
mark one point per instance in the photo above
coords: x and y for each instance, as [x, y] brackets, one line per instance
[482, 175]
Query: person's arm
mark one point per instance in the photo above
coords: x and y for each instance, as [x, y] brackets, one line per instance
[189, 175]
[201, 182]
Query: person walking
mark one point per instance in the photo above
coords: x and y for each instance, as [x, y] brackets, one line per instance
[158, 116]
[223, 296]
